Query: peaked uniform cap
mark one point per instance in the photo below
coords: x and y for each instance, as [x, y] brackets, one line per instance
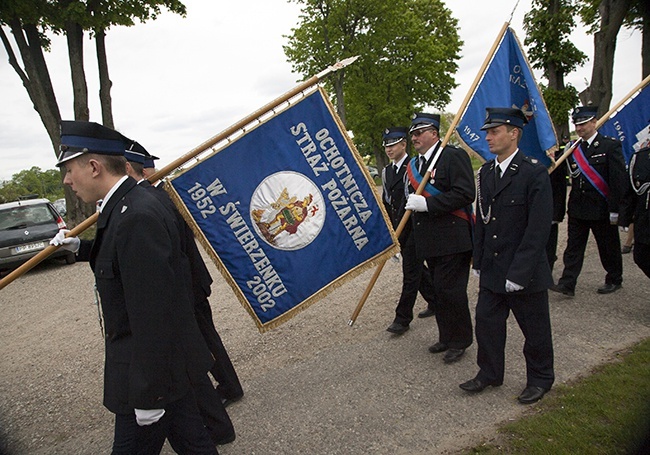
[496, 116]
[423, 120]
[582, 114]
[78, 138]
[394, 134]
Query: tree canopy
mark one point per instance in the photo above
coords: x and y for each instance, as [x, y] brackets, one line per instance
[408, 55]
[45, 184]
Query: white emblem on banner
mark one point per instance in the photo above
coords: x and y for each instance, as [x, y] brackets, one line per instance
[287, 210]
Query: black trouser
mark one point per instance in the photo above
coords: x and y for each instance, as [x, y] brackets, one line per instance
[642, 257]
[181, 425]
[532, 314]
[415, 276]
[450, 275]
[551, 245]
[223, 370]
[609, 250]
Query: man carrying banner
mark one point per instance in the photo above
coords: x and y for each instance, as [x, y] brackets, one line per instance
[153, 345]
[442, 230]
[558, 185]
[210, 400]
[636, 209]
[515, 208]
[598, 182]
[415, 275]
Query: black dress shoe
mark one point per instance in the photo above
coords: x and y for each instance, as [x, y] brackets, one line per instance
[397, 328]
[438, 347]
[562, 290]
[531, 394]
[476, 385]
[453, 355]
[426, 313]
[608, 288]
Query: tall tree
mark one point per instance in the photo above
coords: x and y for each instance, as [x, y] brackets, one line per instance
[30, 23]
[408, 52]
[605, 17]
[548, 25]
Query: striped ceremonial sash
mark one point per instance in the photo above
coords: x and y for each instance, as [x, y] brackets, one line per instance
[429, 190]
[590, 173]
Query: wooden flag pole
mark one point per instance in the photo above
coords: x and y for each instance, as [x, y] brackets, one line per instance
[92, 219]
[425, 179]
[601, 121]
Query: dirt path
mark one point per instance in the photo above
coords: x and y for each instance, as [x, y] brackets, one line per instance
[314, 385]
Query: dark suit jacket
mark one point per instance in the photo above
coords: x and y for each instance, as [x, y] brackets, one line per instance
[512, 245]
[438, 232]
[637, 205]
[201, 279]
[606, 157]
[394, 196]
[153, 345]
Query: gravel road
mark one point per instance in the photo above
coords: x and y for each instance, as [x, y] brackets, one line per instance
[313, 385]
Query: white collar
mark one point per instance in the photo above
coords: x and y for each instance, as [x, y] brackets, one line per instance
[110, 192]
[505, 163]
[591, 139]
[427, 155]
[399, 163]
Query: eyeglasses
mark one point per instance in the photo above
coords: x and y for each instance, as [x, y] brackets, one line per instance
[417, 133]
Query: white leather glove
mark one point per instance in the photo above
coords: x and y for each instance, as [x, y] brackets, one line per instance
[417, 203]
[613, 218]
[476, 273]
[67, 243]
[512, 287]
[148, 416]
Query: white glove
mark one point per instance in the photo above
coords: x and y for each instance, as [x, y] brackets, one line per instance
[613, 218]
[417, 203]
[148, 416]
[512, 287]
[476, 273]
[67, 243]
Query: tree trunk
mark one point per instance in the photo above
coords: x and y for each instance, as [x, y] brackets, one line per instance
[599, 92]
[645, 41]
[105, 83]
[339, 77]
[74, 34]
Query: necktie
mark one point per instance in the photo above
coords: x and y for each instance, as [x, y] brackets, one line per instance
[423, 163]
[498, 174]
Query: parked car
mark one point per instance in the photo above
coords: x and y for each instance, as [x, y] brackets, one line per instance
[26, 228]
[374, 173]
[60, 206]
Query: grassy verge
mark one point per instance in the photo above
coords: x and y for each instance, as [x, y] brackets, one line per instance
[607, 412]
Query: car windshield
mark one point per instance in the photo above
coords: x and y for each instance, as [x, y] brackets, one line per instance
[21, 217]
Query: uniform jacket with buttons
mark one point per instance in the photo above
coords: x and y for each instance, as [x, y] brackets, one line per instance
[438, 232]
[637, 206]
[394, 196]
[513, 223]
[153, 345]
[585, 202]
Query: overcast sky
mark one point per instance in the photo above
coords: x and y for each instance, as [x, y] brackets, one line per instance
[179, 81]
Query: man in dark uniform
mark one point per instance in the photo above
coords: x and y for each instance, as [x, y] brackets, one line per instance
[636, 209]
[442, 230]
[210, 400]
[558, 186]
[153, 345]
[515, 210]
[598, 183]
[415, 275]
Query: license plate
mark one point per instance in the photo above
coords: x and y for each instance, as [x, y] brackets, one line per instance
[29, 247]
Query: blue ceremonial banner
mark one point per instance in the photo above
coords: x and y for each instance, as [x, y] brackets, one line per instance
[509, 82]
[631, 124]
[286, 211]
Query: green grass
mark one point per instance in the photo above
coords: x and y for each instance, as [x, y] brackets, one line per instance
[607, 412]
